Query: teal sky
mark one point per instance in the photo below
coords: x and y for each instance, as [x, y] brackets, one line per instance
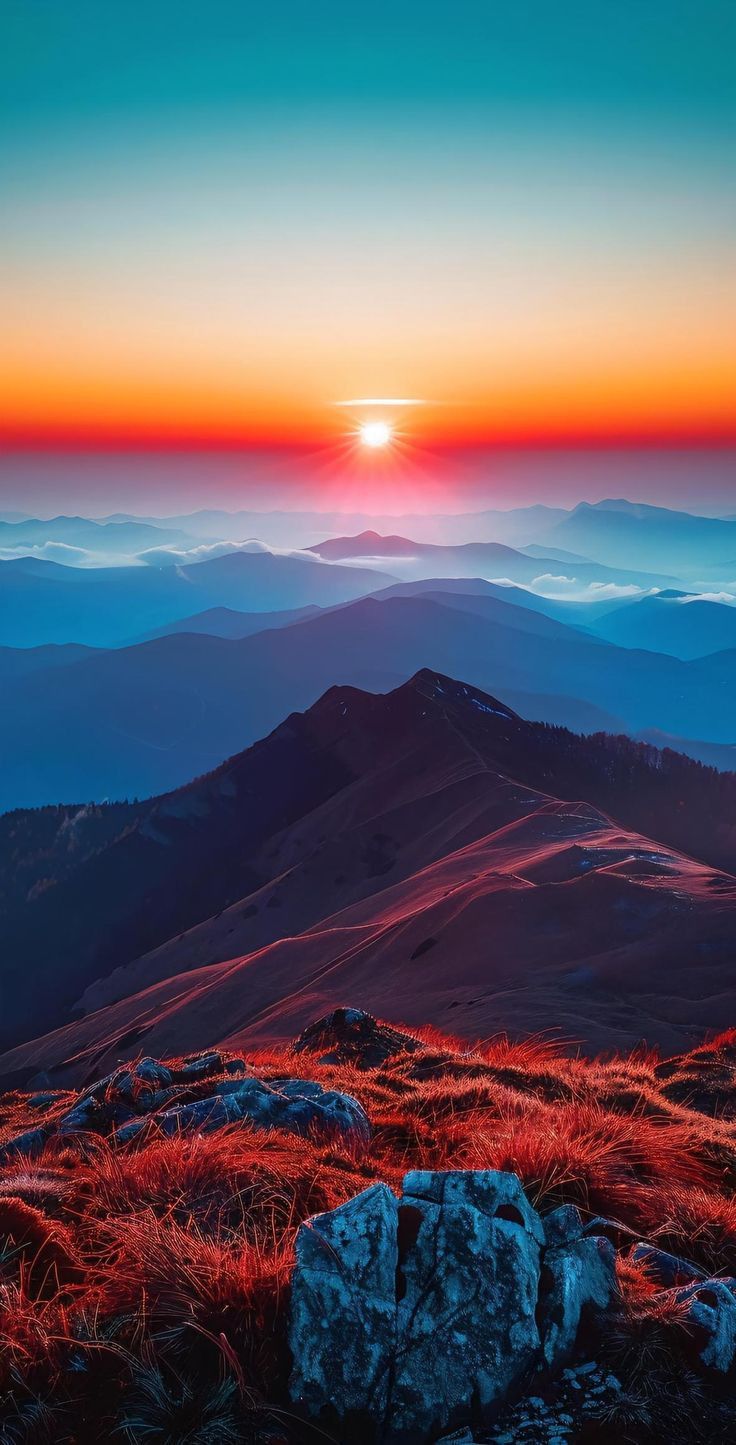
[236, 212]
[637, 62]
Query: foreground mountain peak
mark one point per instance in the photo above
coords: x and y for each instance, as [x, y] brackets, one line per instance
[446, 689]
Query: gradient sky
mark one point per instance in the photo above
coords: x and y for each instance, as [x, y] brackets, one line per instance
[222, 218]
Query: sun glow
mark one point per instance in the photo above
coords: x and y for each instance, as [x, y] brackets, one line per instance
[375, 434]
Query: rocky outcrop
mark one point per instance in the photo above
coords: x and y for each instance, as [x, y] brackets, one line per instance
[351, 1036]
[470, 1247]
[710, 1307]
[578, 1279]
[150, 1094]
[295, 1105]
[343, 1310]
[438, 1296]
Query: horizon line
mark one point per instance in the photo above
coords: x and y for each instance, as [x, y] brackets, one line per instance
[111, 441]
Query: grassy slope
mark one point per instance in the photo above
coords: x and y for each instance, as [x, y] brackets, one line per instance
[150, 1283]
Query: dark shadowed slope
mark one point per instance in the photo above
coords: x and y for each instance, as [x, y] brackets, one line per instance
[404, 825]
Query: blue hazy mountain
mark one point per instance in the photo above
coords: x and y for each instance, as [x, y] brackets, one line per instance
[685, 626]
[42, 602]
[412, 559]
[145, 718]
[127, 536]
[226, 622]
[630, 534]
[288, 528]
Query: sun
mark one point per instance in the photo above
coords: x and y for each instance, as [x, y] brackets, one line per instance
[375, 433]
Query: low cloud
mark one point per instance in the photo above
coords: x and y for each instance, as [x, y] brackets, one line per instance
[208, 551]
[615, 589]
[560, 587]
[727, 597]
[67, 555]
[549, 581]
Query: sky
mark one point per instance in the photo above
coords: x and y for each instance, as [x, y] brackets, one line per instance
[222, 220]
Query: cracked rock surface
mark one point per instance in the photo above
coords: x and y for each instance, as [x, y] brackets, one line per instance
[421, 1314]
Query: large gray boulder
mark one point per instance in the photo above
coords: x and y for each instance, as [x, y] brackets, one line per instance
[450, 1275]
[343, 1311]
[468, 1283]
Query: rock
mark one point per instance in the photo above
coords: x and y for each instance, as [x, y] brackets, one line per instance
[82, 1118]
[201, 1066]
[342, 1328]
[30, 1143]
[566, 1224]
[468, 1279]
[711, 1308]
[350, 1036]
[201, 1117]
[578, 1279]
[450, 1274]
[295, 1105]
[299, 1106]
[135, 1085]
[42, 1101]
[147, 1071]
[665, 1269]
[571, 1404]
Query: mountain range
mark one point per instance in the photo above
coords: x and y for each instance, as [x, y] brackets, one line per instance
[411, 559]
[632, 534]
[427, 850]
[683, 625]
[130, 722]
[43, 602]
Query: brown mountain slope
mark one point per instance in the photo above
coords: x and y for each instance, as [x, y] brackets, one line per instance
[558, 919]
[344, 804]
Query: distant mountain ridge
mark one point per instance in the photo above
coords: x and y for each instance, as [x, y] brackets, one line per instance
[43, 602]
[633, 534]
[134, 721]
[471, 559]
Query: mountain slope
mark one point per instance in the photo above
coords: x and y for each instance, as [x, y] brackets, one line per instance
[364, 830]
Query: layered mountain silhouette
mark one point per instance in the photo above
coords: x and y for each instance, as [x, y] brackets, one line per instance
[143, 719]
[674, 622]
[632, 534]
[43, 602]
[127, 536]
[427, 854]
[474, 559]
[227, 622]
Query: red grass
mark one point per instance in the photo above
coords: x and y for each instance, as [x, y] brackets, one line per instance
[176, 1253]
